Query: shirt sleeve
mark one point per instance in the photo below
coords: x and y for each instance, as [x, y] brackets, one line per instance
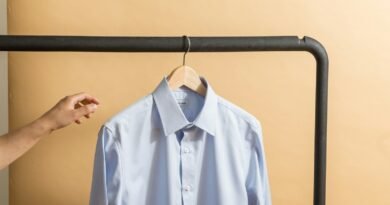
[257, 183]
[106, 178]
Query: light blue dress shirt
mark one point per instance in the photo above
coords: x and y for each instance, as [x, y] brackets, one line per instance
[180, 148]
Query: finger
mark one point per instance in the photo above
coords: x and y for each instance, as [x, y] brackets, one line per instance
[77, 106]
[82, 97]
[85, 98]
[85, 110]
[85, 102]
[77, 121]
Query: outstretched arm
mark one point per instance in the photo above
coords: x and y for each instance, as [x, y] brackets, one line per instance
[67, 110]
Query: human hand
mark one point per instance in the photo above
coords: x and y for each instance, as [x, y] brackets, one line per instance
[70, 109]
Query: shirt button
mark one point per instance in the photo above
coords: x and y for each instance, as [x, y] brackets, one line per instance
[186, 150]
[187, 188]
[189, 126]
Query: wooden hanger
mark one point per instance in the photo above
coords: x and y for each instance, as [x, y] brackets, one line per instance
[186, 76]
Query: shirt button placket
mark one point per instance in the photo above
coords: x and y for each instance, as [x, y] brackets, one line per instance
[187, 167]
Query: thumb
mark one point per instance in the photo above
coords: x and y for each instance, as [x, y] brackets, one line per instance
[85, 110]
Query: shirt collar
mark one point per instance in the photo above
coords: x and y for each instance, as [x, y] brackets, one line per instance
[173, 118]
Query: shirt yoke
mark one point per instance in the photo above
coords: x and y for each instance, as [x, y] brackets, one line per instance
[127, 114]
[240, 113]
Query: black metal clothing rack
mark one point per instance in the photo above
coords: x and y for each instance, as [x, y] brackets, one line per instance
[203, 44]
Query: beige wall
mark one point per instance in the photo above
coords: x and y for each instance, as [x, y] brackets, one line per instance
[3, 100]
[277, 87]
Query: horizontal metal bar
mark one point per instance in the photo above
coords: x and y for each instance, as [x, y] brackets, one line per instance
[151, 44]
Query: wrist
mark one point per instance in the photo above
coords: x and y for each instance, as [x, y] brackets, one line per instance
[44, 125]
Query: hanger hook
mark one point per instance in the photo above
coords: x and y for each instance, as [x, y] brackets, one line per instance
[188, 48]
